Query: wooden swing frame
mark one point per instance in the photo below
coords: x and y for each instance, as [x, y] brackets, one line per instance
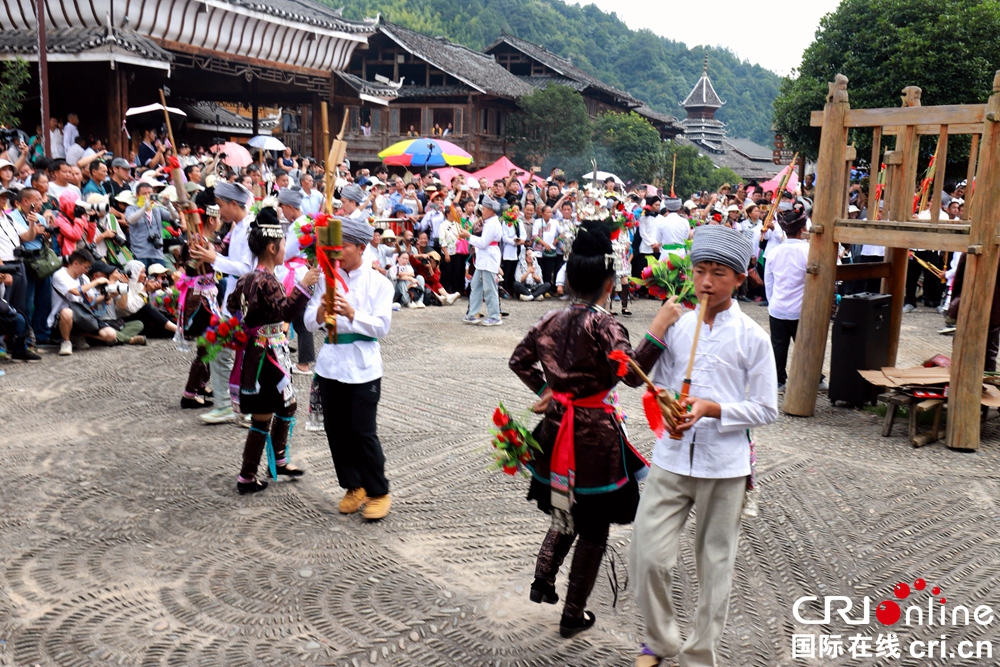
[899, 231]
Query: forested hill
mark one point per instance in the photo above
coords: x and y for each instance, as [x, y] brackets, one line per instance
[656, 70]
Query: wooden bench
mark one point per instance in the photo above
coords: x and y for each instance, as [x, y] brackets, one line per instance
[894, 400]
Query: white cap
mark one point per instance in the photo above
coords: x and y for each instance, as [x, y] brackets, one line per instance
[853, 209]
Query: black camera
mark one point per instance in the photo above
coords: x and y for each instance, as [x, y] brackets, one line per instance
[156, 240]
[11, 269]
[8, 137]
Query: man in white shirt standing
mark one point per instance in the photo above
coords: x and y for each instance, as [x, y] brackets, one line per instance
[234, 259]
[484, 280]
[785, 283]
[55, 139]
[312, 200]
[70, 132]
[673, 231]
[648, 231]
[733, 389]
[349, 372]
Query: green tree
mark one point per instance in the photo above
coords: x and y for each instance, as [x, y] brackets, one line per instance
[947, 47]
[695, 172]
[627, 145]
[551, 126]
[15, 74]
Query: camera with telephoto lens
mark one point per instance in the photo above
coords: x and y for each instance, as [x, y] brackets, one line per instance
[114, 289]
[10, 269]
[83, 208]
[8, 137]
[156, 240]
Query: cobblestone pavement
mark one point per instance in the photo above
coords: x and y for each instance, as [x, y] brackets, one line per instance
[125, 543]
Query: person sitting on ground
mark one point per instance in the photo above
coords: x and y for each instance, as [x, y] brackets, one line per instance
[138, 309]
[431, 273]
[110, 301]
[70, 285]
[409, 286]
[528, 284]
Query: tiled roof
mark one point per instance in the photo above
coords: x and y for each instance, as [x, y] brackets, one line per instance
[758, 170]
[653, 114]
[78, 40]
[385, 91]
[561, 65]
[309, 12]
[478, 70]
[703, 94]
[210, 113]
[542, 80]
[750, 149]
[434, 91]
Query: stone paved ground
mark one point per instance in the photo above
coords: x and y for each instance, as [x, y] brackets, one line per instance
[125, 543]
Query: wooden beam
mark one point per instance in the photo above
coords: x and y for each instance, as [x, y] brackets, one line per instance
[814, 324]
[898, 249]
[950, 114]
[969, 350]
[863, 271]
[270, 64]
[901, 238]
[961, 128]
[971, 175]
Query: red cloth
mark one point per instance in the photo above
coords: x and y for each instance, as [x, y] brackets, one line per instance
[563, 463]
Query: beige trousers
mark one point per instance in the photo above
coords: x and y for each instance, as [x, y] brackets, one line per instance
[666, 503]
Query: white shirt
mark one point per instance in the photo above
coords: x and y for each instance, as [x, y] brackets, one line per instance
[9, 238]
[371, 295]
[487, 246]
[432, 223]
[785, 279]
[56, 190]
[56, 144]
[239, 260]
[735, 368]
[648, 231]
[547, 231]
[510, 234]
[292, 248]
[70, 133]
[774, 237]
[312, 203]
[62, 283]
[74, 154]
[672, 230]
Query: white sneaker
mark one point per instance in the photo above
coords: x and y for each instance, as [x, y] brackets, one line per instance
[412, 305]
[453, 297]
[396, 306]
[219, 415]
[540, 297]
[909, 308]
[65, 348]
[527, 297]
[421, 304]
[490, 322]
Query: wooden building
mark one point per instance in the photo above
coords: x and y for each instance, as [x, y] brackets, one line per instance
[425, 83]
[106, 56]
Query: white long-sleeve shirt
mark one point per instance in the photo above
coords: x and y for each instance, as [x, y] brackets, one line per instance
[371, 295]
[774, 237]
[672, 230]
[785, 279]
[510, 234]
[69, 135]
[648, 231]
[238, 261]
[487, 246]
[735, 368]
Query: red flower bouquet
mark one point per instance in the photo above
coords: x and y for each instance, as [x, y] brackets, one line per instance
[671, 277]
[512, 443]
[220, 334]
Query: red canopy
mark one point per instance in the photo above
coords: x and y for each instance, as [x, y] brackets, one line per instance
[501, 169]
[448, 173]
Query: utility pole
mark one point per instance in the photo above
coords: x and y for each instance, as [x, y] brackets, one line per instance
[43, 74]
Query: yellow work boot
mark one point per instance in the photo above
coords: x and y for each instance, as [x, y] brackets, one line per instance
[352, 501]
[377, 507]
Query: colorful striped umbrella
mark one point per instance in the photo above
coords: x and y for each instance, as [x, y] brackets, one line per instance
[424, 152]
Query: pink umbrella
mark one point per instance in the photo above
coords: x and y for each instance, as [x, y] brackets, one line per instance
[501, 169]
[775, 183]
[236, 155]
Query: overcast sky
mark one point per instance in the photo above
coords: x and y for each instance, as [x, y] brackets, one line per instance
[734, 24]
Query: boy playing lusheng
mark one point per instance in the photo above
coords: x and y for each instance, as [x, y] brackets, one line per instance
[733, 388]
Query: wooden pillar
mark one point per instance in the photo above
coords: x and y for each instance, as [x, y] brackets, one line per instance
[969, 352]
[901, 210]
[116, 138]
[317, 128]
[814, 325]
[254, 110]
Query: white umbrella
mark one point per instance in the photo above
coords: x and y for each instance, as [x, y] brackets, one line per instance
[266, 143]
[601, 176]
[153, 109]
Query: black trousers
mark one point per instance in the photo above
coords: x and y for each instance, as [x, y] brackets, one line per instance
[349, 416]
[550, 268]
[453, 273]
[509, 267]
[307, 345]
[154, 323]
[932, 285]
[782, 333]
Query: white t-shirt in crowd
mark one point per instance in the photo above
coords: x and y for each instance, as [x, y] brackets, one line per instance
[62, 283]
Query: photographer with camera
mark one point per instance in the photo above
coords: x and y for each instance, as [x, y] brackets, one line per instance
[145, 221]
[10, 257]
[38, 258]
[109, 302]
[71, 309]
